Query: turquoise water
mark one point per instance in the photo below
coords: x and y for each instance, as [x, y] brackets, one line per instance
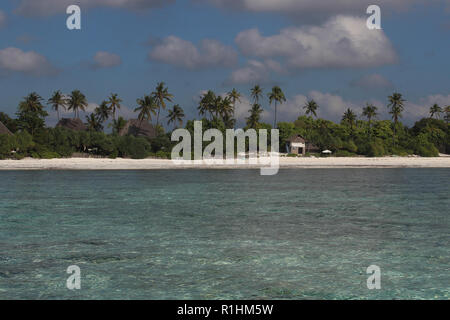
[201, 234]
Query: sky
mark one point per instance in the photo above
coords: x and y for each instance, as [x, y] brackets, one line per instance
[312, 49]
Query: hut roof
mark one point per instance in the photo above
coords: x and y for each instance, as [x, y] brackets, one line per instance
[4, 129]
[138, 128]
[296, 139]
[72, 124]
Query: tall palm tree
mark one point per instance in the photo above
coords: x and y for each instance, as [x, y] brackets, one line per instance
[57, 101]
[435, 110]
[349, 118]
[234, 96]
[370, 112]
[31, 103]
[311, 108]
[147, 107]
[102, 112]
[77, 101]
[161, 95]
[276, 96]
[257, 94]
[176, 115]
[226, 107]
[255, 116]
[396, 107]
[207, 103]
[114, 103]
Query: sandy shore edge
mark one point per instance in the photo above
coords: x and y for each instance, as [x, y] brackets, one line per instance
[159, 164]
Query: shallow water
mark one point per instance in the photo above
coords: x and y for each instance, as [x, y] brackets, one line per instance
[201, 234]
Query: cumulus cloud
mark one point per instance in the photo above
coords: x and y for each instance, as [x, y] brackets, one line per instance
[178, 52]
[14, 60]
[51, 7]
[2, 19]
[342, 42]
[255, 72]
[103, 59]
[372, 81]
[314, 9]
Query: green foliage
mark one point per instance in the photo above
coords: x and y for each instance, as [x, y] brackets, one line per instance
[11, 124]
[132, 147]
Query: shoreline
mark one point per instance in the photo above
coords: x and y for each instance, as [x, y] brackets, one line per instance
[163, 164]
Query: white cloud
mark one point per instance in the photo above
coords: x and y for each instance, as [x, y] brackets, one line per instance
[103, 59]
[50, 7]
[178, 52]
[14, 60]
[315, 9]
[342, 42]
[2, 19]
[255, 72]
[372, 81]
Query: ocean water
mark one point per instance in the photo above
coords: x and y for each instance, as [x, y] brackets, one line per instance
[225, 234]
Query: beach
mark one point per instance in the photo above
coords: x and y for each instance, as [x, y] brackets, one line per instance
[159, 164]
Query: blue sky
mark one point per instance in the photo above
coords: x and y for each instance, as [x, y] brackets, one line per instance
[315, 51]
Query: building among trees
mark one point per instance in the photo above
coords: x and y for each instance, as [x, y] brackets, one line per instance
[4, 129]
[139, 128]
[72, 124]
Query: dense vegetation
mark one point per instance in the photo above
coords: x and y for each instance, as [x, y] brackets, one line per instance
[363, 135]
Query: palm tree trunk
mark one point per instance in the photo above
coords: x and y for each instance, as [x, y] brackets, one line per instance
[157, 117]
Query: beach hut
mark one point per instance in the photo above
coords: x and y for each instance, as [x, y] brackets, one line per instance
[4, 129]
[139, 128]
[72, 124]
[296, 145]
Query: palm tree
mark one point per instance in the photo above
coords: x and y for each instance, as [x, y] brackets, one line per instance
[161, 95]
[206, 104]
[311, 108]
[435, 110]
[102, 112]
[349, 118]
[257, 93]
[234, 96]
[31, 103]
[94, 123]
[226, 107]
[396, 107]
[56, 101]
[176, 115]
[114, 103]
[255, 115]
[77, 101]
[118, 125]
[147, 107]
[276, 96]
[370, 112]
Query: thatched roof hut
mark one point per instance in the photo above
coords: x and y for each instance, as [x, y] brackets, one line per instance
[296, 145]
[4, 129]
[72, 124]
[139, 128]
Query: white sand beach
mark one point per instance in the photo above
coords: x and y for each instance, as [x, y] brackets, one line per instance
[153, 164]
